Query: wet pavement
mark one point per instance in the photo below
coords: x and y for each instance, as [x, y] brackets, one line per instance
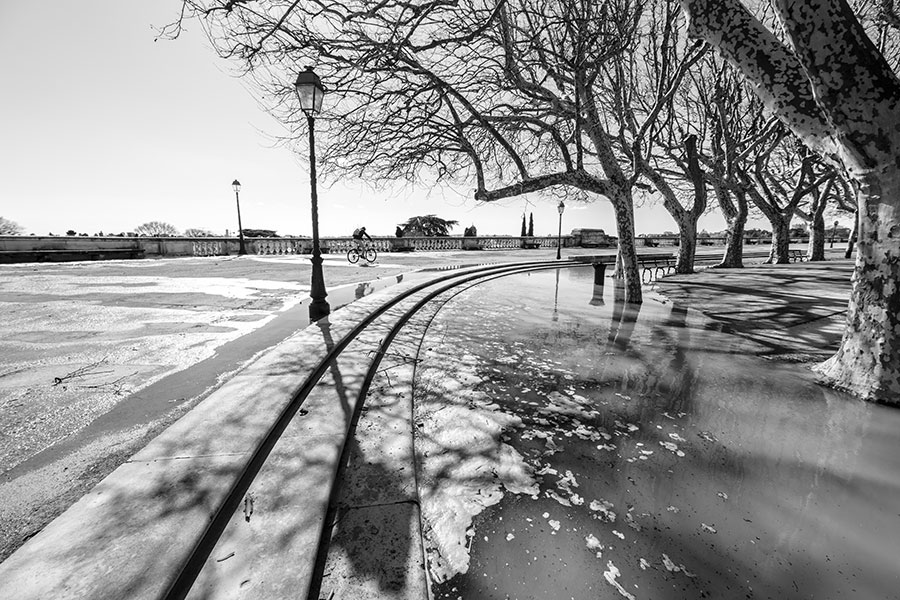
[570, 446]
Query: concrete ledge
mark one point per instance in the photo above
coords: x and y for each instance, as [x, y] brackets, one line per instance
[129, 535]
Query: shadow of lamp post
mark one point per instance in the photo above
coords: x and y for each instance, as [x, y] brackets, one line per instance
[561, 208]
[310, 93]
[237, 198]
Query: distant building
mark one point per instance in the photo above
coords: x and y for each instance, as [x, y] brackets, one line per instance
[593, 238]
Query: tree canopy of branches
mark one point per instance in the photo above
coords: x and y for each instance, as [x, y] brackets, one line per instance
[514, 96]
[156, 229]
[835, 90]
[427, 225]
[197, 232]
[259, 232]
[8, 227]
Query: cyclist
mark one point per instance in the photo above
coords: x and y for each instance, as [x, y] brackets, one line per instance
[358, 234]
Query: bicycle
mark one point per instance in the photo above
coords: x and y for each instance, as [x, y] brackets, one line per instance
[354, 254]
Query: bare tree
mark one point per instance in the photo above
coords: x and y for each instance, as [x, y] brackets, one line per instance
[815, 217]
[656, 133]
[834, 89]
[156, 229]
[785, 173]
[736, 131]
[8, 227]
[510, 95]
[197, 232]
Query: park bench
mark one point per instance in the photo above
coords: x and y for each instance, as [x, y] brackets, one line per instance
[651, 264]
[796, 255]
[63, 255]
[655, 267]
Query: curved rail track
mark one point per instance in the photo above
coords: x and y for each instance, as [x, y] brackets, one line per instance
[415, 299]
[65, 562]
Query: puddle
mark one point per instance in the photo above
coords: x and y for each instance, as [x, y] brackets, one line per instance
[670, 462]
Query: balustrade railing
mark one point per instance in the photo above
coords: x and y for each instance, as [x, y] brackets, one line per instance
[335, 245]
[208, 248]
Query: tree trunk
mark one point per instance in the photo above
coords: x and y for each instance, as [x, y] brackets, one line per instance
[687, 245]
[781, 240]
[687, 224]
[624, 209]
[839, 95]
[868, 361]
[851, 241]
[735, 219]
[816, 249]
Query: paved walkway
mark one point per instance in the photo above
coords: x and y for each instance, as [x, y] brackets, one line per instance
[670, 390]
[769, 300]
[794, 311]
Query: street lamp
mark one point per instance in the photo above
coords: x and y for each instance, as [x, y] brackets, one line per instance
[237, 198]
[561, 208]
[310, 93]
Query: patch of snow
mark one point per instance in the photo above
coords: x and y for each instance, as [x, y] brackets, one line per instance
[673, 568]
[603, 507]
[611, 574]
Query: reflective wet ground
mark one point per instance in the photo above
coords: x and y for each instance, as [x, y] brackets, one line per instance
[574, 447]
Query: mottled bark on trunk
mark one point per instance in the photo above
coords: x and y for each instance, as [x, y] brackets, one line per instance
[687, 224]
[781, 241]
[619, 271]
[735, 219]
[868, 361]
[687, 246]
[734, 244]
[816, 248]
[851, 241]
[624, 209]
[839, 95]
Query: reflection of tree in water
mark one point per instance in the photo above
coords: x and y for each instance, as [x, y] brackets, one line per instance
[661, 389]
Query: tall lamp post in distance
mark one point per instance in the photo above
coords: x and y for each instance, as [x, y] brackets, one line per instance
[237, 198]
[310, 93]
[561, 207]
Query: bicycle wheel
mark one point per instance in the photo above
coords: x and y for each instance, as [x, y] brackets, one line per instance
[353, 255]
[371, 255]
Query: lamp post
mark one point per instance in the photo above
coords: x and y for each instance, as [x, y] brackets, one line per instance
[237, 198]
[561, 207]
[310, 93]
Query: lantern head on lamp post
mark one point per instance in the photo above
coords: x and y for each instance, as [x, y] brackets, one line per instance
[310, 93]
[237, 198]
[561, 207]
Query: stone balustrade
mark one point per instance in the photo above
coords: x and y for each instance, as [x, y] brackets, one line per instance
[229, 246]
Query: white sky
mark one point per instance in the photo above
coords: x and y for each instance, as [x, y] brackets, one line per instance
[103, 129]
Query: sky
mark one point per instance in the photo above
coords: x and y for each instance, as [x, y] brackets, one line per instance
[103, 129]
